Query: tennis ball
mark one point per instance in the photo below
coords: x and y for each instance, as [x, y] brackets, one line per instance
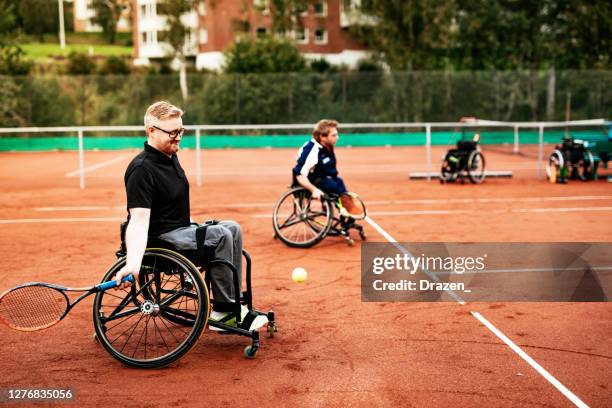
[299, 275]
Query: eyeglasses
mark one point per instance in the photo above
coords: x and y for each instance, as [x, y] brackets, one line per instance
[172, 134]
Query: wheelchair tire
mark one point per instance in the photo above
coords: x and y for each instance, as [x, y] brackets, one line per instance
[585, 166]
[297, 223]
[554, 165]
[476, 167]
[448, 171]
[158, 321]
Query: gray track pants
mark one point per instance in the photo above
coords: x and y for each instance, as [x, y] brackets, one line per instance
[226, 238]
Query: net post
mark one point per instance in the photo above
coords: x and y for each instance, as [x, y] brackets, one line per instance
[81, 160]
[198, 172]
[428, 149]
[516, 139]
[540, 148]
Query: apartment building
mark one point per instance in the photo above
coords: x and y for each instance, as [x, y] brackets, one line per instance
[215, 24]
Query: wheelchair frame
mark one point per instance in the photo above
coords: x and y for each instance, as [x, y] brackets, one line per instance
[302, 214]
[459, 162]
[187, 266]
[571, 159]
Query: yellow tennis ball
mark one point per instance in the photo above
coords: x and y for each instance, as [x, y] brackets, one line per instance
[299, 275]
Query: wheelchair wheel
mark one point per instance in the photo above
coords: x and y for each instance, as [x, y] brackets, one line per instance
[448, 172]
[299, 221]
[158, 320]
[476, 167]
[554, 165]
[585, 166]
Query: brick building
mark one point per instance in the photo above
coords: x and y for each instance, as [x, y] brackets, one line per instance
[214, 25]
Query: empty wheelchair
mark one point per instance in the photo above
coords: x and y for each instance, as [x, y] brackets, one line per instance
[160, 318]
[465, 160]
[300, 221]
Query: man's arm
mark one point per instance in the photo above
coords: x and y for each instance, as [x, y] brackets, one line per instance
[136, 236]
[304, 182]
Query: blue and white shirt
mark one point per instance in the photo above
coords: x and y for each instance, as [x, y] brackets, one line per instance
[315, 161]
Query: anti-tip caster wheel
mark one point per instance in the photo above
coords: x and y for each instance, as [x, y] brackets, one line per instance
[350, 242]
[250, 352]
[271, 329]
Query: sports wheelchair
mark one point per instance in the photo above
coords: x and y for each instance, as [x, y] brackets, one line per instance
[301, 222]
[158, 320]
[571, 159]
[466, 159]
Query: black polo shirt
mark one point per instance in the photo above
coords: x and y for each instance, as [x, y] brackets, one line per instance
[156, 181]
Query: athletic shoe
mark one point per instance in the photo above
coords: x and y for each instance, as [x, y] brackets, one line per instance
[229, 319]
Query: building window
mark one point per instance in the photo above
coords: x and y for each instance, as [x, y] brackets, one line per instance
[320, 36]
[202, 8]
[262, 6]
[143, 10]
[320, 9]
[261, 32]
[301, 35]
[203, 36]
[143, 37]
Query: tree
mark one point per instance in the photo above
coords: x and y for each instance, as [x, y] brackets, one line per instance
[39, 17]
[107, 14]
[176, 34]
[263, 55]
[11, 61]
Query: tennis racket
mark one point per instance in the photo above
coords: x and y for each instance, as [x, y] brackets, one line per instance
[38, 305]
[351, 205]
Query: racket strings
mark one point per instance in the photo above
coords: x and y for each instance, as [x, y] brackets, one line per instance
[32, 307]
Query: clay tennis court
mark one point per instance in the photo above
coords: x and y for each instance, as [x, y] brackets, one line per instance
[331, 349]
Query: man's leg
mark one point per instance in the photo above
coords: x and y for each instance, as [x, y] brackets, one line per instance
[226, 238]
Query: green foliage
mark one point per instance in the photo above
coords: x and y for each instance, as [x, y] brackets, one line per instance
[322, 65]
[11, 61]
[263, 55]
[177, 32]
[114, 65]
[107, 14]
[39, 17]
[80, 64]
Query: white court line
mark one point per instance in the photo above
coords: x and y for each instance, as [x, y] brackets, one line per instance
[83, 208]
[562, 209]
[549, 377]
[59, 220]
[95, 166]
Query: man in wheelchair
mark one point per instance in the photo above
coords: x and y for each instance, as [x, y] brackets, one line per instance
[158, 214]
[466, 158]
[316, 169]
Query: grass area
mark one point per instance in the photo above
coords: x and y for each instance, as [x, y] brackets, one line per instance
[79, 42]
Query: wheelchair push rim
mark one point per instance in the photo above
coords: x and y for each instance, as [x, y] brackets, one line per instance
[158, 320]
[300, 221]
[476, 167]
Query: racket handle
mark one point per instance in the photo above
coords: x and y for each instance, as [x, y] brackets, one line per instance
[112, 283]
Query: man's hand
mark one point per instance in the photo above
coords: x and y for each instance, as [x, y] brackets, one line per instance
[317, 194]
[123, 272]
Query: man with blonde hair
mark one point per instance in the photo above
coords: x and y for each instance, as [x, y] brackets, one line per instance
[158, 208]
[316, 169]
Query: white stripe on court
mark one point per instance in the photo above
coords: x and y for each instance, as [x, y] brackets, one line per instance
[566, 392]
[95, 166]
[83, 208]
[556, 383]
[59, 220]
[562, 209]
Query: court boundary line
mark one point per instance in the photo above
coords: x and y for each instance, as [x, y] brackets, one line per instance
[95, 166]
[534, 364]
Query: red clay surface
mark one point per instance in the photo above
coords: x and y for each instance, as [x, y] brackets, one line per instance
[331, 349]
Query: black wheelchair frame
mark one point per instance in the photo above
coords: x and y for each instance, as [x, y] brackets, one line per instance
[466, 159]
[316, 223]
[571, 159]
[182, 301]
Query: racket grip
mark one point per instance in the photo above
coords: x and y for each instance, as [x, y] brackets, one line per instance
[112, 283]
